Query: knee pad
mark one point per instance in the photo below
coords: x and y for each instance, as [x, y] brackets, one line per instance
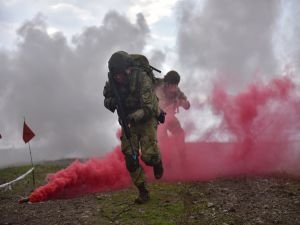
[131, 164]
[150, 161]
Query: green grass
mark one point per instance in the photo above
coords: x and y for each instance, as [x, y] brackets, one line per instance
[25, 186]
[164, 207]
[170, 203]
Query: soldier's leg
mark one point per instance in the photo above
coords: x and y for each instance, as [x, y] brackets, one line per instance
[179, 138]
[132, 165]
[149, 147]
[176, 130]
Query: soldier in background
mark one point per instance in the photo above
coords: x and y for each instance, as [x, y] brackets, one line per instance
[171, 98]
[134, 89]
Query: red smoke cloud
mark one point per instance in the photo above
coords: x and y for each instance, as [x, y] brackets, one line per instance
[261, 123]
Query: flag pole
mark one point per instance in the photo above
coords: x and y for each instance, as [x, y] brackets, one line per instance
[33, 177]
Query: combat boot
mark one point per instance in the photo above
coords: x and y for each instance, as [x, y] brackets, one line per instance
[158, 170]
[143, 195]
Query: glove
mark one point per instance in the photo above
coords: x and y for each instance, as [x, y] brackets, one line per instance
[136, 116]
[185, 104]
[161, 116]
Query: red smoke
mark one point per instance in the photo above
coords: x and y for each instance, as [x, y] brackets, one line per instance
[261, 124]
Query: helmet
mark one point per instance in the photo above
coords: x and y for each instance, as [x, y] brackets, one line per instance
[172, 77]
[119, 62]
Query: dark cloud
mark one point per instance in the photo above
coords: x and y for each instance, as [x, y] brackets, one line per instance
[58, 87]
[231, 37]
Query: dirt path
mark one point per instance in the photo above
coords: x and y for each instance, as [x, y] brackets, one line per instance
[245, 201]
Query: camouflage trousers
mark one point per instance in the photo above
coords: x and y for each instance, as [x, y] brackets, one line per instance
[143, 137]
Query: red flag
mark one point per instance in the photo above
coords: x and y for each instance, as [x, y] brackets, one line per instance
[27, 133]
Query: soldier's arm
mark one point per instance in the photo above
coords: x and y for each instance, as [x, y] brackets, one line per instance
[183, 101]
[109, 100]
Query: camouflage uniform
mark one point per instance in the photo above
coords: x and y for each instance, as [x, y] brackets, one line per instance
[138, 98]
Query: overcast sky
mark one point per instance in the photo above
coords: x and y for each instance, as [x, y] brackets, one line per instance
[53, 61]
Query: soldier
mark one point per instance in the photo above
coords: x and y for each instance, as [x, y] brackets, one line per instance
[170, 99]
[135, 91]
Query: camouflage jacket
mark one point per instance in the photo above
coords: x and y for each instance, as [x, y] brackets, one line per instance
[136, 94]
[169, 104]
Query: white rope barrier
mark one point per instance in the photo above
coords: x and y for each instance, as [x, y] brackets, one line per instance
[9, 184]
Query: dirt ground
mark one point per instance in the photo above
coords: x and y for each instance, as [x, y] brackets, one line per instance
[245, 201]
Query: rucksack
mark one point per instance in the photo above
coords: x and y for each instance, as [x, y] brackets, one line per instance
[142, 62]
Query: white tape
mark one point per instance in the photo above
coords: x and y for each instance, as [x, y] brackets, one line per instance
[9, 184]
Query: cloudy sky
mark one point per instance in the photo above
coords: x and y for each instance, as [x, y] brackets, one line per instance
[53, 61]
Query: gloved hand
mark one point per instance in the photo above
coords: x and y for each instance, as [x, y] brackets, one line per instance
[185, 104]
[136, 116]
[161, 116]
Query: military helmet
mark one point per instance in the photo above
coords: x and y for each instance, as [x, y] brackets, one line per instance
[172, 77]
[119, 62]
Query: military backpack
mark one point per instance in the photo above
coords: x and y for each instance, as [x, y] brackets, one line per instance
[142, 62]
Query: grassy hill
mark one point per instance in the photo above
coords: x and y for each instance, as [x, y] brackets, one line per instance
[245, 200]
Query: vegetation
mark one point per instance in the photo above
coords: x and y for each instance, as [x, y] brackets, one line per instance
[244, 200]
